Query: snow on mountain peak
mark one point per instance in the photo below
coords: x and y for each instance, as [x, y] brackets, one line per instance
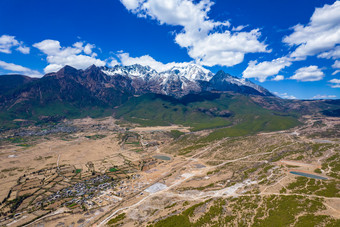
[189, 71]
[133, 71]
[182, 78]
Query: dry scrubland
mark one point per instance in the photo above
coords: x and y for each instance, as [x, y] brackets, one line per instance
[101, 172]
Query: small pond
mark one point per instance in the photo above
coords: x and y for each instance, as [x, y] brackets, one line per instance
[308, 175]
[162, 157]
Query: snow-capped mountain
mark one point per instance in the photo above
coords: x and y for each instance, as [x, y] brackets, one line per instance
[103, 87]
[182, 80]
[132, 71]
[191, 72]
[177, 81]
[225, 82]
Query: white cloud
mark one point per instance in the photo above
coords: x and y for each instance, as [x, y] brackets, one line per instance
[48, 46]
[285, 95]
[335, 83]
[336, 64]
[324, 97]
[52, 68]
[78, 56]
[310, 73]
[88, 48]
[23, 49]
[207, 41]
[335, 72]
[278, 78]
[239, 28]
[13, 67]
[131, 4]
[265, 69]
[334, 54]
[7, 42]
[19, 69]
[147, 60]
[113, 62]
[320, 35]
[225, 49]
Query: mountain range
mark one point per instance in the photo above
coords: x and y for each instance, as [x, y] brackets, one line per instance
[189, 93]
[111, 85]
[181, 81]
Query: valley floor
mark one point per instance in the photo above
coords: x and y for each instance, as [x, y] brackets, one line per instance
[90, 172]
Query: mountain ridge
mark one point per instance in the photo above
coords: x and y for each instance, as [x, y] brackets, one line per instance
[182, 80]
[177, 81]
[101, 91]
[12, 81]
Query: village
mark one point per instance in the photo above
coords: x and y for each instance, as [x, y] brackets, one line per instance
[122, 169]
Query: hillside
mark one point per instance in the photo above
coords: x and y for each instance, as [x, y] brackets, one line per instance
[10, 82]
[188, 95]
[205, 111]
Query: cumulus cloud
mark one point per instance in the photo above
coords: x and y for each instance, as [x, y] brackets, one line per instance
[278, 78]
[324, 97]
[88, 48]
[79, 55]
[131, 4]
[208, 42]
[335, 83]
[7, 42]
[336, 64]
[265, 69]
[19, 69]
[321, 35]
[225, 49]
[334, 54]
[310, 73]
[147, 60]
[112, 62]
[23, 49]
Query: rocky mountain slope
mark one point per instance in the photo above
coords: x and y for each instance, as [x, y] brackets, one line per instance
[10, 82]
[102, 86]
[184, 80]
[187, 93]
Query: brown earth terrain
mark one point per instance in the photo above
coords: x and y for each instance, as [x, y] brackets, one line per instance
[95, 172]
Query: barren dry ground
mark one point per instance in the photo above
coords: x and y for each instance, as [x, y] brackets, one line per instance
[103, 174]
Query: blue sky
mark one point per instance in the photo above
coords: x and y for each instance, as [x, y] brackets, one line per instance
[289, 47]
